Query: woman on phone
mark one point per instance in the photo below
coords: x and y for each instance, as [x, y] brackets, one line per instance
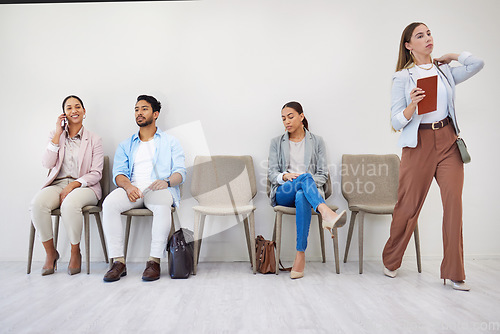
[429, 148]
[297, 172]
[75, 158]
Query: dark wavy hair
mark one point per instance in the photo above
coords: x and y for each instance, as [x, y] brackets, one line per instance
[155, 104]
[74, 97]
[298, 108]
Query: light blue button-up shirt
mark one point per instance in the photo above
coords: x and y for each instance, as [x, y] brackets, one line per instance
[168, 159]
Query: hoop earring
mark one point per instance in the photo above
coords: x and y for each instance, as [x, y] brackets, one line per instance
[412, 56]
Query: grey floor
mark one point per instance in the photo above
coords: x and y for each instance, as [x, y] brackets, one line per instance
[228, 298]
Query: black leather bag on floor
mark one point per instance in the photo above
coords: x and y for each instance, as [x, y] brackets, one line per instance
[180, 248]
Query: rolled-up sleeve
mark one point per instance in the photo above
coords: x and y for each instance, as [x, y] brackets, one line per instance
[470, 66]
[51, 153]
[120, 163]
[398, 102]
[178, 159]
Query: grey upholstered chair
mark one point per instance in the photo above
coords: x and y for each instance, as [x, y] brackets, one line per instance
[370, 185]
[86, 211]
[224, 186]
[285, 210]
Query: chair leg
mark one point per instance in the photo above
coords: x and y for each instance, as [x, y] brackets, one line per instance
[173, 228]
[127, 235]
[56, 231]
[349, 234]
[279, 217]
[416, 236]
[199, 222]
[322, 238]
[360, 240]
[97, 217]
[247, 236]
[30, 247]
[87, 239]
[252, 242]
[196, 241]
[336, 249]
[274, 228]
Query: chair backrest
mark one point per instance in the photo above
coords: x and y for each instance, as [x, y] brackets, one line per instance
[104, 180]
[223, 180]
[327, 187]
[370, 179]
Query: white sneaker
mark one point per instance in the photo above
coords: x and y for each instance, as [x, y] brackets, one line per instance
[390, 273]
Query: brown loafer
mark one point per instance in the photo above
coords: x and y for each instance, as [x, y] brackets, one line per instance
[152, 271]
[117, 270]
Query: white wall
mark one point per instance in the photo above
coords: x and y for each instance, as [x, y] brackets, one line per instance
[227, 67]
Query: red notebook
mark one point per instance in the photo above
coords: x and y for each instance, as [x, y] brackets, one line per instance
[429, 102]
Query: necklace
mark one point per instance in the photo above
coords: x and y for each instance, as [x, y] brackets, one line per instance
[427, 69]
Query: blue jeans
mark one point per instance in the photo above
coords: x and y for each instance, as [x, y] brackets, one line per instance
[302, 194]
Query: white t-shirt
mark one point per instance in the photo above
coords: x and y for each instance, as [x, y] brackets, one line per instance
[442, 96]
[143, 165]
[297, 152]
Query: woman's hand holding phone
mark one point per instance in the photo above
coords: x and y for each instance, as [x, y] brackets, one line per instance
[60, 125]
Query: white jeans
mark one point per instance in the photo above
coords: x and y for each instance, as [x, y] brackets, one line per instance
[159, 202]
[47, 200]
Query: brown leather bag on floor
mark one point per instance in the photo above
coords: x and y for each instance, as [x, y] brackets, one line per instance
[265, 257]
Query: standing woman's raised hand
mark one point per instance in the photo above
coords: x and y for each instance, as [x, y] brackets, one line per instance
[447, 58]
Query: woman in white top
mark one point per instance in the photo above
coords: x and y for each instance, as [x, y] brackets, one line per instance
[297, 172]
[429, 148]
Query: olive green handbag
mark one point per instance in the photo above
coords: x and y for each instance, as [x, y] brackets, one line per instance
[463, 150]
[460, 142]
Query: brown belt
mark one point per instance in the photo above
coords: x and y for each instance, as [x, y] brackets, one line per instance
[436, 125]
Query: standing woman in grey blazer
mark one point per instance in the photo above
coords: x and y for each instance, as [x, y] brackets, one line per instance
[429, 149]
[297, 172]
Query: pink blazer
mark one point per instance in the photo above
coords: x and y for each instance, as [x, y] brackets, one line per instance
[91, 159]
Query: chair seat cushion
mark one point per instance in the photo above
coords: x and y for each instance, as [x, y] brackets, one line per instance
[141, 212]
[138, 212]
[224, 211]
[375, 209]
[291, 210]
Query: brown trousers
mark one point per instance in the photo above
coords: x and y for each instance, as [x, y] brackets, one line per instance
[436, 156]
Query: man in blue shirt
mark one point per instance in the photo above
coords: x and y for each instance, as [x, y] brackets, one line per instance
[148, 169]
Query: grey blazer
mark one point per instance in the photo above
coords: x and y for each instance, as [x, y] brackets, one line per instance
[314, 158]
[405, 80]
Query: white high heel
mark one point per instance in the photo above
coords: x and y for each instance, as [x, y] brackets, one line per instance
[390, 273]
[461, 286]
[329, 224]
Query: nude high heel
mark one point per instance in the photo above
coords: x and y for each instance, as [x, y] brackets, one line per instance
[329, 224]
[50, 271]
[296, 274]
[74, 271]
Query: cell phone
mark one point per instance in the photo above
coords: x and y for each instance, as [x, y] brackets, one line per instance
[63, 123]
